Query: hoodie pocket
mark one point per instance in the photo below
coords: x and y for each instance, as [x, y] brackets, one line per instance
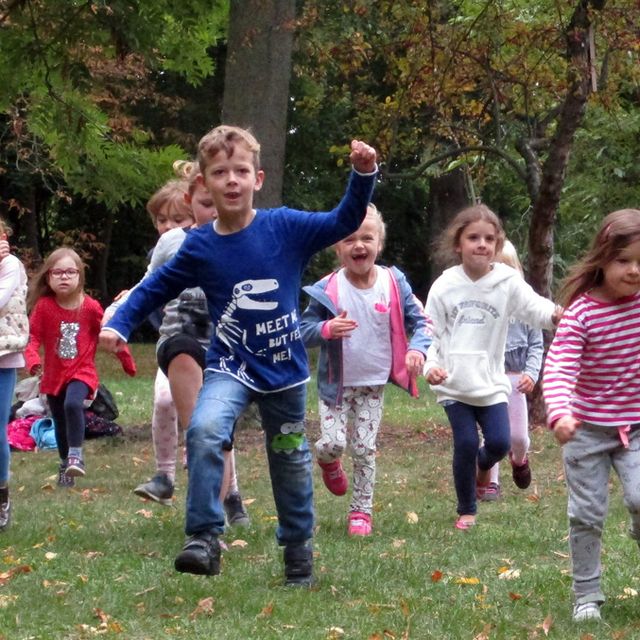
[469, 373]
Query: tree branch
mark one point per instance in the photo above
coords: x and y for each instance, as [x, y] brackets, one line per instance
[453, 153]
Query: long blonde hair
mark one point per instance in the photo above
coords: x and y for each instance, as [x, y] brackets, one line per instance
[39, 284]
[617, 231]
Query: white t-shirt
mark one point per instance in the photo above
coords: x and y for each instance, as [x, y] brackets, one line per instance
[366, 354]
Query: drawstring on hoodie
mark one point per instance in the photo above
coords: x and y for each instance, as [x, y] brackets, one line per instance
[623, 434]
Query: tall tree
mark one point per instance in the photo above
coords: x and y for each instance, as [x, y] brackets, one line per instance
[470, 84]
[73, 77]
[257, 75]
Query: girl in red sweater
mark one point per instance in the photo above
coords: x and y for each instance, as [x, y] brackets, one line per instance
[65, 322]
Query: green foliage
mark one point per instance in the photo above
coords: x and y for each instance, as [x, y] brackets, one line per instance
[72, 71]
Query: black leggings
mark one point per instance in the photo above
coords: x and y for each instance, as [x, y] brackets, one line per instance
[67, 409]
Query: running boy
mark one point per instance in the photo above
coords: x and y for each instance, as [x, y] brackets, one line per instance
[249, 263]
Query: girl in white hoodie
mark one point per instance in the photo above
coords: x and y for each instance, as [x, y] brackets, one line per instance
[470, 305]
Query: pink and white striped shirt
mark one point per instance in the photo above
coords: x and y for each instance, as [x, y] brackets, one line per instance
[592, 370]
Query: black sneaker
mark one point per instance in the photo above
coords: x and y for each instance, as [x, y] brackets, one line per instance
[234, 510]
[521, 474]
[200, 555]
[5, 508]
[65, 481]
[298, 565]
[159, 488]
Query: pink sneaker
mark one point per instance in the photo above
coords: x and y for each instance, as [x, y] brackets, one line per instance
[334, 477]
[359, 524]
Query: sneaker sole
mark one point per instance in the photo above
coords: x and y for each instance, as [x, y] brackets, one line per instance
[149, 496]
[187, 564]
[241, 521]
[75, 472]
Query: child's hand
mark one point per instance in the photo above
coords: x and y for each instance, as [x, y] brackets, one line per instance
[414, 361]
[110, 341]
[36, 370]
[340, 326]
[363, 157]
[122, 293]
[557, 315]
[525, 384]
[436, 375]
[565, 428]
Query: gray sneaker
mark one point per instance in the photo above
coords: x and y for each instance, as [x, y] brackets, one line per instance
[234, 510]
[586, 611]
[159, 489]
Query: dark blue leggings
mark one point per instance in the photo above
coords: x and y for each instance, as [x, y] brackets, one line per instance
[467, 453]
[67, 409]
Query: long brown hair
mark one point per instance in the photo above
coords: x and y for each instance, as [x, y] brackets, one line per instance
[618, 230]
[39, 284]
[447, 244]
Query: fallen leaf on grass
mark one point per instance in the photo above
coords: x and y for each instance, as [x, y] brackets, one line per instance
[398, 542]
[561, 555]
[627, 593]
[14, 571]
[5, 601]
[266, 611]
[47, 487]
[50, 555]
[412, 517]
[547, 624]
[144, 591]
[248, 501]
[436, 576]
[145, 513]
[509, 574]
[532, 497]
[514, 596]
[484, 634]
[464, 580]
[335, 633]
[240, 543]
[90, 555]
[204, 608]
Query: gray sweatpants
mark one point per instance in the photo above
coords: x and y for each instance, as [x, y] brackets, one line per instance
[588, 459]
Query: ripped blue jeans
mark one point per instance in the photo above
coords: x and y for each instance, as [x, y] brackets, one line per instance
[221, 401]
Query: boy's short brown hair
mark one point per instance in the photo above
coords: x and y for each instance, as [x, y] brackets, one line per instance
[225, 138]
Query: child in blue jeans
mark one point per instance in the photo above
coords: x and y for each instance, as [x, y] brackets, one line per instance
[249, 263]
[370, 329]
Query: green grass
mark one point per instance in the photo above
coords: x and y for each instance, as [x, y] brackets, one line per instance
[97, 561]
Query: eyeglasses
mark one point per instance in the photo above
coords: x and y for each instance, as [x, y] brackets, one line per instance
[59, 273]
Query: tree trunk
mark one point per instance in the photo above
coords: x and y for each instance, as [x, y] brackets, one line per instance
[554, 168]
[256, 88]
[545, 206]
[447, 196]
[102, 261]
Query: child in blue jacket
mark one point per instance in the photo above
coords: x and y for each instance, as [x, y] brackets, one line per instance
[360, 317]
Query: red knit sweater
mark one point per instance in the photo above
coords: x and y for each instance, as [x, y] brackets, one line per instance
[69, 338]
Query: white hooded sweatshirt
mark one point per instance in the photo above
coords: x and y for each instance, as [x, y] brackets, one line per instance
[471, 319]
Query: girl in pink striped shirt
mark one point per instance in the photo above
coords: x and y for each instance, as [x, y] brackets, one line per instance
[591, 387]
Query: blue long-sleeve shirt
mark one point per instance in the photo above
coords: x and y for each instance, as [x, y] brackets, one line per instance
[252, 280]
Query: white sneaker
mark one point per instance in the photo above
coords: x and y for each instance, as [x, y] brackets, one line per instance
[586, 611]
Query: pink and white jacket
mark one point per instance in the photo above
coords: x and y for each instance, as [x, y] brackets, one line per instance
[407, 319]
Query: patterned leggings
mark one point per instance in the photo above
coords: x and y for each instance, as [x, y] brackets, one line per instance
[363, 405]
